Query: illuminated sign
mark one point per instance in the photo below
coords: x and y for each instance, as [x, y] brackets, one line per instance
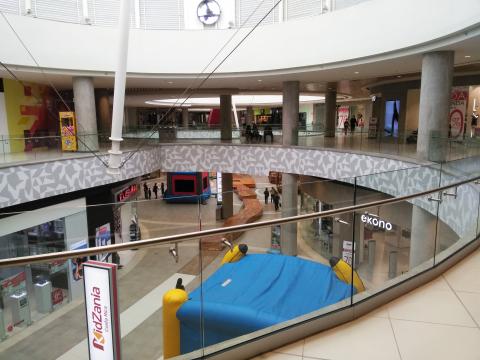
[375, 221]
[127, 193]
[103, 326]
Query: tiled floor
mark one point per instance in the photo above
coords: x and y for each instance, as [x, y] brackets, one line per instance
[440, 320]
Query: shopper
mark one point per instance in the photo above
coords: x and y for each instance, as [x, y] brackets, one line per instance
[155, 190]
[276, 201]
[266, 193]
[360, 121]
[162, 188]
[149, 193]
[272, 194]
[353, 123]
[145, 190]
[345, 126]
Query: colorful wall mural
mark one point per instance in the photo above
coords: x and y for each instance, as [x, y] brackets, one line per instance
[31, 112]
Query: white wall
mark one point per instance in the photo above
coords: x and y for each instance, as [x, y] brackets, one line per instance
[92, 48]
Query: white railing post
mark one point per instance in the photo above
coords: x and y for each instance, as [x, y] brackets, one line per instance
[85, 16]
[137, 14]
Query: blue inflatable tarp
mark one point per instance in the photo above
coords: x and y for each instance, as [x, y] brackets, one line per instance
[258, 291]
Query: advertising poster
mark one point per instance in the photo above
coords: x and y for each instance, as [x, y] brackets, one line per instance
[372, 128]
[103, 237]
[343, 115]
[347, 252]
[76, 264]
[458, 108]
[31, 111]
[101, 303]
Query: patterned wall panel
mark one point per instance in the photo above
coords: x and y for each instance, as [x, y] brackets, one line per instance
[19, 184]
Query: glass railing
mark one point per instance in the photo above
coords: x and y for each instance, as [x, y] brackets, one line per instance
[18, 149]
[388, 227]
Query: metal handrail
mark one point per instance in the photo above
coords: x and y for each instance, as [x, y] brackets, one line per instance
[24, 260]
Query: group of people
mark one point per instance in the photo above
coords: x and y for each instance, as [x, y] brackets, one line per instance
[274, 197]
[147, 192]
[253, 134]
[353, 123]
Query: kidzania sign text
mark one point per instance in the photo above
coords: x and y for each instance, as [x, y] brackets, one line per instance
[375, 221]
[102, 310]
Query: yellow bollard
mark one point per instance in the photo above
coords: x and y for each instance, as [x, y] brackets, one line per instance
[172, 300]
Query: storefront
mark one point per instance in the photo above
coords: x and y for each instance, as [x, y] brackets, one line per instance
[28, 293]
[125, 221]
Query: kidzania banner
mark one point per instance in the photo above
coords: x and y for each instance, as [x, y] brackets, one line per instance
[103, 325]
[458, 107]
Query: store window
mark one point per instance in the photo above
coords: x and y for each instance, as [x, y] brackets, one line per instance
[30, 292]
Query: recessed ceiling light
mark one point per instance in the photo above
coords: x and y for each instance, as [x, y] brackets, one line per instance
[259, 80]
[356, 72]
[399, 76]
[170, 82]
[468, 56]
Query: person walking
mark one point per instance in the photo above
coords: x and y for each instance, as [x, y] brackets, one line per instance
[276, 201]
[353, 124]
[155, 190]
[266, 193]
[145, 190]
[272, 194]
[162, 188]
[345, 126]
[149, 193]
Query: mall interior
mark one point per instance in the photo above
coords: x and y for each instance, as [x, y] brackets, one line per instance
[237, 179]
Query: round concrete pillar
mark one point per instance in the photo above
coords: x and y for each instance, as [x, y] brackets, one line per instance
[84, 99]
[226, 117]
[330, 113]
[436, 84]
[185, 118]
[290, 112]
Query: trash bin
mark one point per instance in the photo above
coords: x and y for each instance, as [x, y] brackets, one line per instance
[43, 296]
[20, 308]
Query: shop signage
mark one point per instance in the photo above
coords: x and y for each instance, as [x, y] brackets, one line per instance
[127, 193]
[458, 107]
[343, 113]
[101, 304]
[375, 221]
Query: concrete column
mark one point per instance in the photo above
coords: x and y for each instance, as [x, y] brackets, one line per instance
[422, 237]
[185, 118]
[84, 98]
[378, 111]
[226, 117]
[227, 195]
[290, 112]
[288, 238]
[436, 83]
[330, 113]
[249, 117]
[103, 110]
[131, 120]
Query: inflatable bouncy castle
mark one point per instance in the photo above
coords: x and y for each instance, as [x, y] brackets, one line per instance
[187, 187]
[248, 293]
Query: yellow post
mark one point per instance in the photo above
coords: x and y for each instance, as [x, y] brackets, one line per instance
[172, 300]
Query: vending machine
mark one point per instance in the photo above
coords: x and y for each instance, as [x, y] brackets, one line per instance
[68, 130]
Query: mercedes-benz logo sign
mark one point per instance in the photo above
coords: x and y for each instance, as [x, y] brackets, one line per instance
[208, 12]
